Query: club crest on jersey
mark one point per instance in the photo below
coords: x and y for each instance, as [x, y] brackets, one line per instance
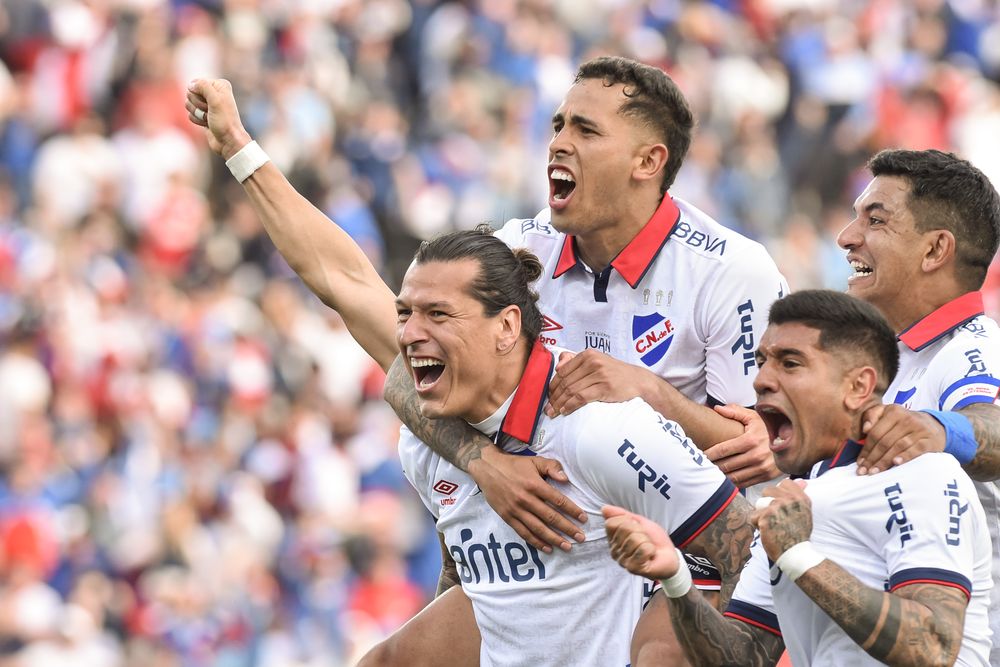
[651, 335]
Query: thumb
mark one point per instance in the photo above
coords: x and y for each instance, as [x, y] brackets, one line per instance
[610, 511]
[550, 468]
[736, 413]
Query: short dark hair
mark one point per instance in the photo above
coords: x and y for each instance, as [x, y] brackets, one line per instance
[846, 325]
[947, 192]
[505, 274]
[654, 99]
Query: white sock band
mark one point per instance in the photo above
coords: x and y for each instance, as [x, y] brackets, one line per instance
[247, 160]
[678, 585]
[799, 558]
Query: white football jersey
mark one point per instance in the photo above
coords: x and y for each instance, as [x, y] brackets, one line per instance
[687, 298]
[534, 608]
[948, 360]
[918, 522]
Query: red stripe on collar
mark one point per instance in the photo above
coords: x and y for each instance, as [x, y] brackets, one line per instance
[636, 257]
[948, 317]
[847, 454]
[526, 408]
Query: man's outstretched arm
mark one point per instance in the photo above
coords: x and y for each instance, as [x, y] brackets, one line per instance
[324, 256]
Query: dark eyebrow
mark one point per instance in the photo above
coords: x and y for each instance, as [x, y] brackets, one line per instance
[575, 119]
[433, 305]
[876, 206]
[780, 353]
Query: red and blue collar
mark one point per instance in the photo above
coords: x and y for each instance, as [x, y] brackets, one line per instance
[634, 260]
[942, 321]
[529, 398]
[845, 456]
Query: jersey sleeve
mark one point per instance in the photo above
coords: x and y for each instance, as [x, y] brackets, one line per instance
[929, 532]
[752, 602]
[633, 457]
[966, 371]
[734, 316]
[415, 458]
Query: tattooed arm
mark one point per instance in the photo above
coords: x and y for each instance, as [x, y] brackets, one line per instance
[642, 546]
[449, 571]
[985, 418]
[896, 435]
[514, 486]
[726, 542]
[919, 624]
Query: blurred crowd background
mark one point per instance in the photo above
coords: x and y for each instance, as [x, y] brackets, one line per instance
[197, 468]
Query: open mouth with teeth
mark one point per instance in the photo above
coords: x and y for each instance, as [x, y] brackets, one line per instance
[861, 270]
[426, 371]
[779, 427]
[561, 186]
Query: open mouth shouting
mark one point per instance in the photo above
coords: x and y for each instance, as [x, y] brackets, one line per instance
[426, 372]
[861, 270]
[779, 426]
[562, 183]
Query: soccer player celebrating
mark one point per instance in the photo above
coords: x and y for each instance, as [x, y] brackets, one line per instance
[925, 231]
[848, 569]
[467, 330]
[668, 301]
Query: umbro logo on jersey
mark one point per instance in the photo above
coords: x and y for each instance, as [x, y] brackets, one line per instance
[445, 487]
[651, 335]
[549, 324]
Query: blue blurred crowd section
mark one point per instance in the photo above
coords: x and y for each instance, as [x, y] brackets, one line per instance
[197, 467]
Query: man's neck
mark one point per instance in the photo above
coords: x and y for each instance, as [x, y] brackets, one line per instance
[599, 247]
[506, 378]
[904, 312]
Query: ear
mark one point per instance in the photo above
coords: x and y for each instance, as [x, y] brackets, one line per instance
[650, 162]
[508, 328]
[940, 250]
[861, 383]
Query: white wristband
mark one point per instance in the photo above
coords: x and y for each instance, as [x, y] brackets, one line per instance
[247, 160]
[798, 559]
[679, 584]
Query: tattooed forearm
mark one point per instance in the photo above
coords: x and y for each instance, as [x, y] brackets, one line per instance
[452, 439]
[449, 571]
[920, 624]
[985, 418]
[712, 640]
[726, 542]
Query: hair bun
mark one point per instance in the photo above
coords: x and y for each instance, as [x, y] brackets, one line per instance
[530, 265]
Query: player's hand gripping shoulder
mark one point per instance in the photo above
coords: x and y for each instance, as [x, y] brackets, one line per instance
[514, 486]
[746, 459]
[643, 548]
[918, 624]
[895, 435]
